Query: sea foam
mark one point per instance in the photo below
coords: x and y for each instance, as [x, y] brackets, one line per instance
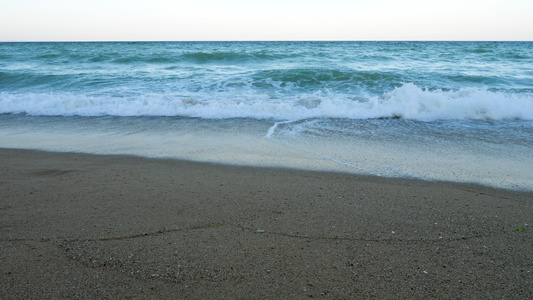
[406, 102]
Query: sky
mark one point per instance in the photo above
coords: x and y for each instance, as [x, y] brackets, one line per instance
[198, 20]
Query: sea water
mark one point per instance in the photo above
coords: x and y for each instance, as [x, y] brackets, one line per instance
[458, 111]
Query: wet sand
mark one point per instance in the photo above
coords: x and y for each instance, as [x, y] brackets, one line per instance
[76, 225]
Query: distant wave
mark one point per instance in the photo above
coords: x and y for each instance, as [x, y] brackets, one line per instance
[17, 80]
[300, 79]
[322, 77]
[200, 57]
[306, 78]
[406, 102]
[166, 57]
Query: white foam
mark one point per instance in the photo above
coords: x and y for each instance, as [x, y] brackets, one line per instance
[407, 101]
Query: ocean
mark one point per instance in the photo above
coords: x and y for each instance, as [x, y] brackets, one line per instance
[454, 111]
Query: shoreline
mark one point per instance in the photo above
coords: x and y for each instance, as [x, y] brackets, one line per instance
[92, 226]
[265, 143]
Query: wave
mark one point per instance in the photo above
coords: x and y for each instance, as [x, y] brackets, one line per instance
[406, 102]
[31, 79]
[204, 57]
[305, 77]
[194, 57]
[262, 81]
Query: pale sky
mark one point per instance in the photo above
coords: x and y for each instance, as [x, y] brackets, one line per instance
[177, 20]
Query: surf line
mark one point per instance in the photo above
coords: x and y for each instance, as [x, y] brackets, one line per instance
[365, 170]
[272, 129]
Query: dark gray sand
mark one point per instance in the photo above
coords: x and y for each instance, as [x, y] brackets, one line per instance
[83, 226]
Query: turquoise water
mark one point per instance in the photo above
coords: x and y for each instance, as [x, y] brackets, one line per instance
[460, 111]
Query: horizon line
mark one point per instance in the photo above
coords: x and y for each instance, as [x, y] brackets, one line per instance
[240, 41]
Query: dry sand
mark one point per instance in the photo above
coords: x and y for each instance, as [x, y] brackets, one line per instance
[76, 225]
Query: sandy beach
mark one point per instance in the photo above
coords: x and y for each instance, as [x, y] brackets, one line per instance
[85, 226]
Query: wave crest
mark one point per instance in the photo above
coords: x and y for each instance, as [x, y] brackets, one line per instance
[407, 102]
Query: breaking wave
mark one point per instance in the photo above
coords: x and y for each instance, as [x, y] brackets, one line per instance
[406, 102]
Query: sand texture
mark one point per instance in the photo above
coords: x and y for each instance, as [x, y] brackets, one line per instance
[84, 226]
